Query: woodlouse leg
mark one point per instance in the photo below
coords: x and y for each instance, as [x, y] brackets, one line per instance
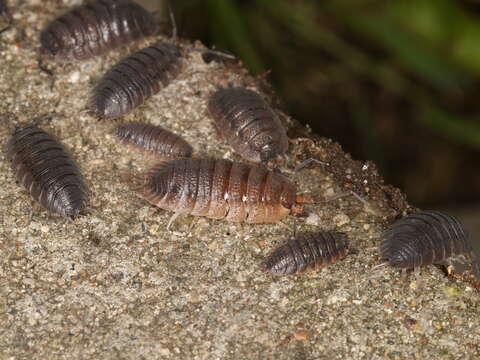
[301, 199]
[285, 226]
[309, 161]
[380, 265]
[8, 27]
[46, 70]
[172, 220]
[418, 280]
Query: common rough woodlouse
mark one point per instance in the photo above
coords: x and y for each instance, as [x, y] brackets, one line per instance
[219, 189]
[249, 125]
[154, 140]
[425, 238]
[306, 252]
[134, 79]
[43, 166]
[96, 27]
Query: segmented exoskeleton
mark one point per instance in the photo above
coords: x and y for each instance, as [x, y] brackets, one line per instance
[424, 238]
[95, 28]
[219, 189]
[306, 252]
[249, 125]
[134, 79]
[154, 140]
[47, 171]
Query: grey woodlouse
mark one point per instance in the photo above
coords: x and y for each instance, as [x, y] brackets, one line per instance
[47, 171]
[154, 140]
[134, 79]
[306, 252]
[219, 189]
[425, 238]
[249, 125]
[96, 27]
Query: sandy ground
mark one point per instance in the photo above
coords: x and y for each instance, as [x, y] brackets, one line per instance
[116, 285]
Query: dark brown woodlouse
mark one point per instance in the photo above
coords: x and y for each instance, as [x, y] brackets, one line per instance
[425, 238]
[134, 79]
[306, 252]
[96, 27]
[154, 140]
[219, 189]
[249, 125]
[47, 171]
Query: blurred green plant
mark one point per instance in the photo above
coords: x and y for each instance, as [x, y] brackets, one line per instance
[368, 64]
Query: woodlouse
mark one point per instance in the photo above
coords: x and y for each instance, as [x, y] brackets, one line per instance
[47, 171]
[219, 189]
[249, 125]
[306, 252]
[154, 140]
[96, 27]
[424, 238]
[134, 79]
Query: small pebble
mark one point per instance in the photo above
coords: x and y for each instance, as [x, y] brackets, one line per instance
[301, 335]
[341, 219]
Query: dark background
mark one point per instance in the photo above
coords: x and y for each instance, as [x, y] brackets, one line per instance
[395, 82]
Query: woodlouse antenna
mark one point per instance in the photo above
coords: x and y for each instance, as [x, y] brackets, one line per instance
[172, 220]
[42, 118]
[308, 162]
[219, 53]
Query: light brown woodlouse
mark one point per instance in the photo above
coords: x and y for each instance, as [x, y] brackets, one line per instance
[154, 140]
[219, 189]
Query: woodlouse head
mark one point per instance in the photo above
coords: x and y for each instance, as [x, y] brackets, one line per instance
[105, 107]
[270, 155]
[74, 206]
[50, 43]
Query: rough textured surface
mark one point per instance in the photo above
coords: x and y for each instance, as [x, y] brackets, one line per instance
[114, 284]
